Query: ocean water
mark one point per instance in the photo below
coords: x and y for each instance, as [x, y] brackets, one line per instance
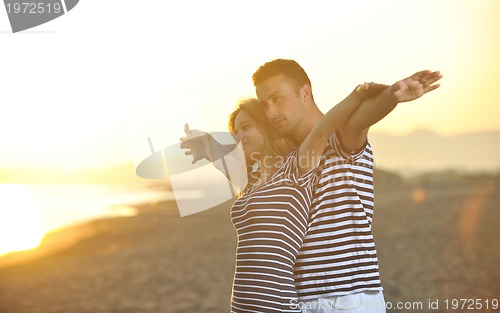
[28, 212]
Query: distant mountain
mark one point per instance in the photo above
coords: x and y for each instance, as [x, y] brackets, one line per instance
[424, 150]
[415, 153]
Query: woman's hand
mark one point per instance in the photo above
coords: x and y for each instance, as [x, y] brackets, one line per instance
[368, 90]
[196, 142]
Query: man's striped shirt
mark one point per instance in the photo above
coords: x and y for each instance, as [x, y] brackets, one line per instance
[338, 255]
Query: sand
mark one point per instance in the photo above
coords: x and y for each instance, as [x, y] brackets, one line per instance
[436, 241]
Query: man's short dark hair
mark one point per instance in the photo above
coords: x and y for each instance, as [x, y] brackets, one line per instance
[289, 68]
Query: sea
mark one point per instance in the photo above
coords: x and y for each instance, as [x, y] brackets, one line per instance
[29, 211]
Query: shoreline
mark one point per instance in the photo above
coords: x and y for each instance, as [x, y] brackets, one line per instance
[66, 237]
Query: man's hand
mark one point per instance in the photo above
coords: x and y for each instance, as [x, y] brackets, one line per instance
[373, 109]
[196, 141]
[415, 86]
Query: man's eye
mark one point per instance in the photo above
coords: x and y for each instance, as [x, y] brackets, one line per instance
[277, 99]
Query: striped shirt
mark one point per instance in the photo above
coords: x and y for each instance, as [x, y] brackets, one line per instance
[338, 255]
[270, 223]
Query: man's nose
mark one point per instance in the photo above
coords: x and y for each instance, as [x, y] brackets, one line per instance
[271, 111]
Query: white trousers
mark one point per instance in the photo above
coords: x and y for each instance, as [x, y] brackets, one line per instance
[363, 302]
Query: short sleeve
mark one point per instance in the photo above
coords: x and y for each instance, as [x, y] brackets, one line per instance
[337, 145]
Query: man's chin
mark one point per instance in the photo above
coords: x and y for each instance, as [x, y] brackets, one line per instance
[283, 131]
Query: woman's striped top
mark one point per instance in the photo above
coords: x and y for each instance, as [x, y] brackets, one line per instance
[338, 255]
[270, 223]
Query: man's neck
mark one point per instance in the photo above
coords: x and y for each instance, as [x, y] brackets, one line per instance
[310, 119]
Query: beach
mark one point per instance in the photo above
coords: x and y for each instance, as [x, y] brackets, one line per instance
[436, 241]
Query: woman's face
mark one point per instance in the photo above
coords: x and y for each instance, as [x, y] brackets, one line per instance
[252, 139]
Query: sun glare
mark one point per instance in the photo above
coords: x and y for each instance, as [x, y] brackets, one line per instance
[20, 227]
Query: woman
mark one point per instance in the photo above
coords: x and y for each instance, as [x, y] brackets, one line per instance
[258, 140]
[270, 216]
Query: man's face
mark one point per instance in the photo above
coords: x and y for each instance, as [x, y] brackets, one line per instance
[283, 104]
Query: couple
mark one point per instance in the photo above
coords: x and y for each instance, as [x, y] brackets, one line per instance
[303, 220]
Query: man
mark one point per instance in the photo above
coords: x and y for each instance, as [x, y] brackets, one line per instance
[337, 266]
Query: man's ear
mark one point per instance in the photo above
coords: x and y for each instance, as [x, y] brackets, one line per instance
[306, 93]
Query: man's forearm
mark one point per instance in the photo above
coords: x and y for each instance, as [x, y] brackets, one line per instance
[372, 110]
[369, 112]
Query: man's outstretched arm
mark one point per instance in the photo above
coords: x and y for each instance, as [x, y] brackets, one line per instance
[372, 110]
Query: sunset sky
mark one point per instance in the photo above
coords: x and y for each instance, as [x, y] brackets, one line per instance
[87, 89]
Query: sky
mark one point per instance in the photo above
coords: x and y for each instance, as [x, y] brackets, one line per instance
[87, 89]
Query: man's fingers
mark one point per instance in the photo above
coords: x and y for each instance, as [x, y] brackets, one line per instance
[433, 78]
[430, 78]
[432, 87]
[419, 76]
[422, 73]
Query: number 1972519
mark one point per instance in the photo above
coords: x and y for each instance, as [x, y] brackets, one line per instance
[471, 304]
[33, 8]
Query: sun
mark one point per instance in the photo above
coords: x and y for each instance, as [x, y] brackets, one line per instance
[20, 227]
